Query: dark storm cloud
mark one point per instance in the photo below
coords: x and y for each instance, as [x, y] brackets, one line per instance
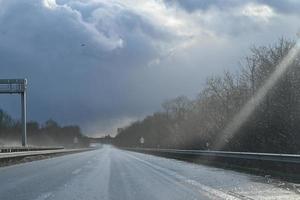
[287, 7]
[193, 5]
[102, 64]
[71, 65]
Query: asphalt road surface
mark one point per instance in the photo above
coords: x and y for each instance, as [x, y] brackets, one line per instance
[110, 173]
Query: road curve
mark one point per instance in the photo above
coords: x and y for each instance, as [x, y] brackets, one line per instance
[113, 174]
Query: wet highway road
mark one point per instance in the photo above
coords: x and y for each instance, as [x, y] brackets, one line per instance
[110, 173]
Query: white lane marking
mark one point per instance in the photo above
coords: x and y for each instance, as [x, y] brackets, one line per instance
[213, 192]
[77, 171]
[270, 194]
[45, 196]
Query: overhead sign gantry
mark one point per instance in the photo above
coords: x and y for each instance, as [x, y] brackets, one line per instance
[17, 86]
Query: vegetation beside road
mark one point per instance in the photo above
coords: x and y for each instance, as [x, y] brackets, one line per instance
[199, 123]
[48, 134]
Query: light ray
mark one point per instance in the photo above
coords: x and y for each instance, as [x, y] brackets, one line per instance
[241, 117]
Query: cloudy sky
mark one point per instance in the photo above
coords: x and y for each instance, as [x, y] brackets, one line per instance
[104, 63]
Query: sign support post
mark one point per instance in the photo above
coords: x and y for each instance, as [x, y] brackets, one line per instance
[17, 86]
[23, 118]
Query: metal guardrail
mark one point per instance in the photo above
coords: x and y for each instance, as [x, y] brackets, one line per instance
[24, 149]
[285, 158]
[17, 156]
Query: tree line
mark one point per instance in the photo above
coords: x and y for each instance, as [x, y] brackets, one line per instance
[273, 126]
[48, 134]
